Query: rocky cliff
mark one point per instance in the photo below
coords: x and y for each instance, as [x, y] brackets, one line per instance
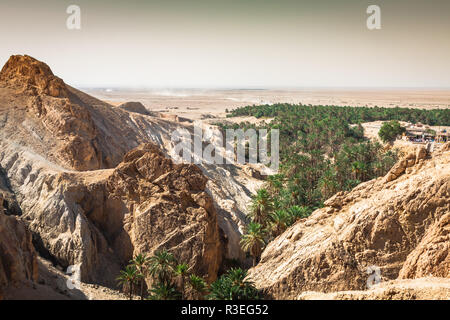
[100, 219]
[398, 223]
[90, 186]
[44, 133]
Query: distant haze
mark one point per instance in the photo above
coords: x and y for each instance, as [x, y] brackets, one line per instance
[234, 43]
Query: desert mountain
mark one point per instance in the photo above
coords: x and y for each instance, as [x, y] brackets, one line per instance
[45, 121]
[63, 125]
[399, 223]
[94, 184]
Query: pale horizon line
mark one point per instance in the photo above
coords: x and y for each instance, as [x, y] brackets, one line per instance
[258, 88]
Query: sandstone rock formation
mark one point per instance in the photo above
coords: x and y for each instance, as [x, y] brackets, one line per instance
[432, 254]
[72, 130]
[397, 224]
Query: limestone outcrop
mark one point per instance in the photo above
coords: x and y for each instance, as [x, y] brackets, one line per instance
[398, 225]
[62, 124]
[432, 254]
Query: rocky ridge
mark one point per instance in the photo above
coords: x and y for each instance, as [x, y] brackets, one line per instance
[398, 223]
[76, 132]
[91, 189]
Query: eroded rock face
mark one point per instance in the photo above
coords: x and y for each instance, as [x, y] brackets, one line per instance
[164, 206]
[61, 123]
[18, 259]
[47, 146]
[100, 219]
[51, 114]
[432, 255]
[401, 226]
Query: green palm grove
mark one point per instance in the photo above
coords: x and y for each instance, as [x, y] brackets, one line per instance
[322, 151]
[173, 281]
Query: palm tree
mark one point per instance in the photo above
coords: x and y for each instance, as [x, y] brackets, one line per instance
[237, 277]
[280, 221]
[378, 167]
[253, 240]
[198, 285]
[221, 289]
[164, 291]
[140, 262]
[328, 184]
[161, 266]
[261, 206]
[233, 286]
[129, 277]
[298, 212]
[181, 270]
[357, 168]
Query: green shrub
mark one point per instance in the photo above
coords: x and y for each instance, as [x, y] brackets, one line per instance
[389, 131]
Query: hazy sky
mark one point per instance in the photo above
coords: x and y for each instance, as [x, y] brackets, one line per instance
[229, 43]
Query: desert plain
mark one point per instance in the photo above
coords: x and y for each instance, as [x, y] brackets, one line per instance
[198, 104]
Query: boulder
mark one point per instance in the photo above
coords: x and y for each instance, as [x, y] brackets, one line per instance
[407, 162]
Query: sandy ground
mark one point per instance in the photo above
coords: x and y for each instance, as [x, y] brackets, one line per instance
[201, 104]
